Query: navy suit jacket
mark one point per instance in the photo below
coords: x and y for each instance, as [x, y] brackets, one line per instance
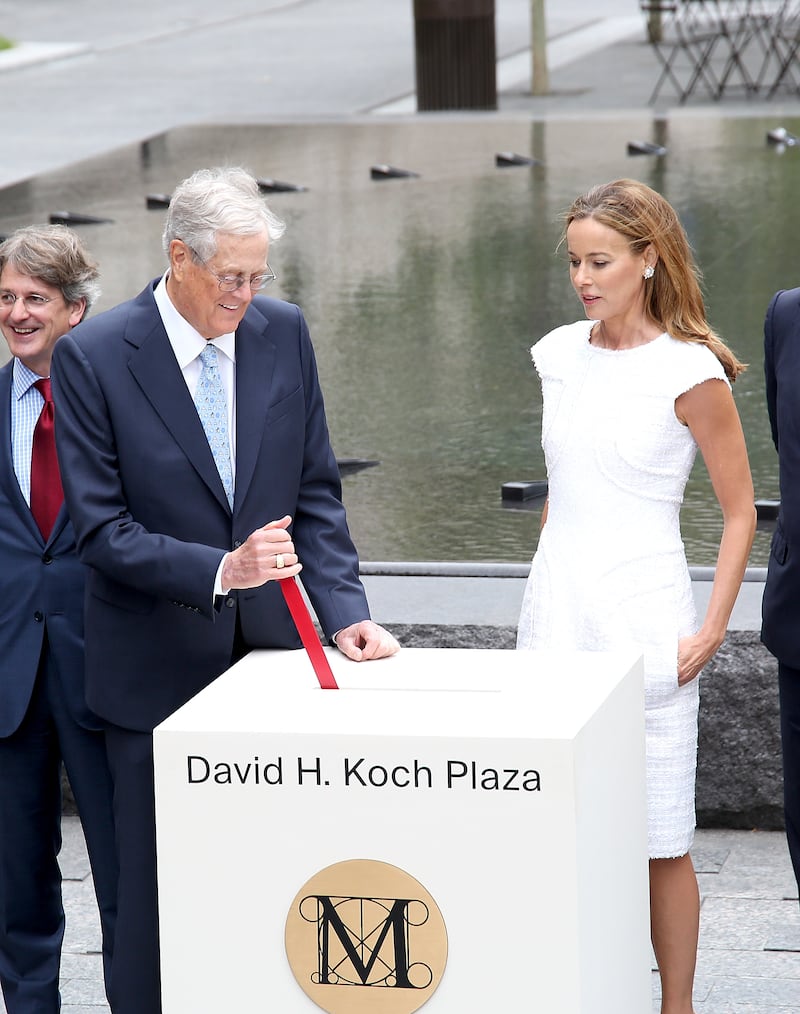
[41, 586]
[151, 516]
[780, 629]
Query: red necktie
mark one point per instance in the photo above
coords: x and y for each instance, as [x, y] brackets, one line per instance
[46, 492]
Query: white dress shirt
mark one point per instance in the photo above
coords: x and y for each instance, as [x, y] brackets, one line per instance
[187, 344]
[26, 407]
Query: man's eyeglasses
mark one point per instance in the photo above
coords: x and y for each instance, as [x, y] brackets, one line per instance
[32, 302]
[230, 283]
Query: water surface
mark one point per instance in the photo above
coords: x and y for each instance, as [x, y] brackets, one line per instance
[423, 295]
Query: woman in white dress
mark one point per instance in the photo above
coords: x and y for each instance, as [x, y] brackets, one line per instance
[629, 395]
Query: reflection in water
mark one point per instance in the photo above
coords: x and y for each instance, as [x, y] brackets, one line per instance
[423, 295]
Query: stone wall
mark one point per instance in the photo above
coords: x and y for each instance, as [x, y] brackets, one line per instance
[739, 774]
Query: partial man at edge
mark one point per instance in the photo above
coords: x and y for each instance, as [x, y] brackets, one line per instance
[47, 284]
[780, 629]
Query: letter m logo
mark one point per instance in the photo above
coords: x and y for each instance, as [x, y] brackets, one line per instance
[363, 941]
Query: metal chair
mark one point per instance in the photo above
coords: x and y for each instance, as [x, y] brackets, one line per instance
[751, 27]
[785, 42]
[722, 44]
[742, 25]
[690, 33]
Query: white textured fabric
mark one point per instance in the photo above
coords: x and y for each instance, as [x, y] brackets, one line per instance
[610, 570]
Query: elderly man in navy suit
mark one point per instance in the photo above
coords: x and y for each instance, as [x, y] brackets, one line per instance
[47, 284]
[199, 473]
[780, 629]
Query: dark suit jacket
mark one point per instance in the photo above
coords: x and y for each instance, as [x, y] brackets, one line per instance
[151, 517]
[41, 585]
[780, 629]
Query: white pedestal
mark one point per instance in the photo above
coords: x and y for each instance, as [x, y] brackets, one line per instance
[510, 785]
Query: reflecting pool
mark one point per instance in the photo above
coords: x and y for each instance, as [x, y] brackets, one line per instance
[424, 294]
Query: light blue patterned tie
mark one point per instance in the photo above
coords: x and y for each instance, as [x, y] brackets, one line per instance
[212, 407]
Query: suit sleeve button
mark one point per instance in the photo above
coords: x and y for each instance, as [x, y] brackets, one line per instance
[38, 616]
[230, 602]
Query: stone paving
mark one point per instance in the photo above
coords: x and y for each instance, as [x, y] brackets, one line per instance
[749, 957]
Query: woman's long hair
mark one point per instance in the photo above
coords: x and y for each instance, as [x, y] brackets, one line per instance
[673, 298]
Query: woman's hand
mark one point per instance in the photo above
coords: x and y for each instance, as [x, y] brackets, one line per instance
[694, 653]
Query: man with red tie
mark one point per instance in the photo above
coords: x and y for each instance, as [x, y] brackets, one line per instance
[47, 284]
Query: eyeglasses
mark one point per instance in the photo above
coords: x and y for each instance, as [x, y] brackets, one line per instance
[230, 283]
[32, 302]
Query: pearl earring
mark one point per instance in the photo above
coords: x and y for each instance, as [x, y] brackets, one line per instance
[649, 271]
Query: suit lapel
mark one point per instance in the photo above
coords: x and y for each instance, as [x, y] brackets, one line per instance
[787, 307]
[255, 364]
[156, 371]
[59, 524]
[795, 315]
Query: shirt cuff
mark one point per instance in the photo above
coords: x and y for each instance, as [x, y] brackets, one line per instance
[218, 589]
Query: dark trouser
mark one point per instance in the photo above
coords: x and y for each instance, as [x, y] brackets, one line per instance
[135, 974]
[789, 683]
[31, 911]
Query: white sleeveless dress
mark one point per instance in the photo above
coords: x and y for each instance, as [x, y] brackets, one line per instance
[610, 570]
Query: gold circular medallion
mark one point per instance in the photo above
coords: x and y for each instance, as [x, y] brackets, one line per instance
[365, 937]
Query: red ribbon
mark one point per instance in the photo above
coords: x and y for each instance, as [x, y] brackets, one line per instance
[308, 634]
